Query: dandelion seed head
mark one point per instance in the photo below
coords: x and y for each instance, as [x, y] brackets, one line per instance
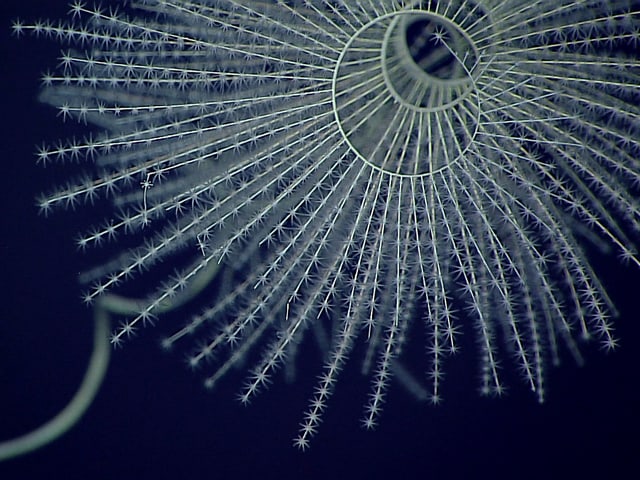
[364, 172]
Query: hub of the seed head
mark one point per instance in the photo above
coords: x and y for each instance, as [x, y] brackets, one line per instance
[404, 92]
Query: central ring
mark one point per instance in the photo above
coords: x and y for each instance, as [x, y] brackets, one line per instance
[404, 95]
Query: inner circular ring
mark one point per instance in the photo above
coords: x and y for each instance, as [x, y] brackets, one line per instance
[463, 82]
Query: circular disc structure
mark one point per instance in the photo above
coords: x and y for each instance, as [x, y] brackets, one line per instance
[403, 92]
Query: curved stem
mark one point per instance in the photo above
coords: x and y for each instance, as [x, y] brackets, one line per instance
[79, 404]
[93, 377]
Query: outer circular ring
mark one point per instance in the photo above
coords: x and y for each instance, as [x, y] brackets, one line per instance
[395, 94]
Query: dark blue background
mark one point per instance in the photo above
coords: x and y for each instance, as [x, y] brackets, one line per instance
[153, 420]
